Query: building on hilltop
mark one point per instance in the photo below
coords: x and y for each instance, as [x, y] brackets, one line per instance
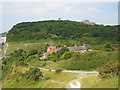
[88, 22]
[59, 18]
[82, 49]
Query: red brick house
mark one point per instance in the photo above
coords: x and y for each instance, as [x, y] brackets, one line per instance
[81, 49]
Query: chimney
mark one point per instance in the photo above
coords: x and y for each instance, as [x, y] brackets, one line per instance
[65, 46]
[48, 49]
[75, 45]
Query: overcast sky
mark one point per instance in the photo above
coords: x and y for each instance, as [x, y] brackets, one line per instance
[99, 12]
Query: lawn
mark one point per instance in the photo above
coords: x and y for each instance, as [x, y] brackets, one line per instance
[30, 45]
[27, 47]
[51, 80]
[93, 81]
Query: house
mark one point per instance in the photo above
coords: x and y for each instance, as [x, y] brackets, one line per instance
[3, 39]
[82, 49]
[88, 22]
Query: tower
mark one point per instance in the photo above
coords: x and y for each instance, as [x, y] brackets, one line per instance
[59, 18]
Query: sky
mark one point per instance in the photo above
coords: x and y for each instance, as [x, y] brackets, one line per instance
[16, 12]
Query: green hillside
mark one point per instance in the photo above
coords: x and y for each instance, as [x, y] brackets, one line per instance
[62, 30]
[27, 41]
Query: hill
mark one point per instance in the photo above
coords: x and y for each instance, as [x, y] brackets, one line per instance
[62, 30]
[24, 56]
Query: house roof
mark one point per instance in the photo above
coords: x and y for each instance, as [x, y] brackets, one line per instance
[46, 53]
[72, 49]
[77, 48]
[58, 48]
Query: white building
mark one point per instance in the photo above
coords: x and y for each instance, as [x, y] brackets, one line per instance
[88, 22]
[3, 39]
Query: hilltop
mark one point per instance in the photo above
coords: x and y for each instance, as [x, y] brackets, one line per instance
[62, 30]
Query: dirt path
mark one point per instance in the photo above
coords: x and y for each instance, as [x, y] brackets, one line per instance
[75, 84]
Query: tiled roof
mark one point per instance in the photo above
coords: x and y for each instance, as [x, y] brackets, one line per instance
[58, 48]
[46, 53]
[77, 48]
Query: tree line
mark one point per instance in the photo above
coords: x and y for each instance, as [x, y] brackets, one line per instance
[62, 30]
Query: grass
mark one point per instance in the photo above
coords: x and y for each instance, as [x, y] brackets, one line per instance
[50, 80]
[93, 81]
[27, 47]
[30, 45]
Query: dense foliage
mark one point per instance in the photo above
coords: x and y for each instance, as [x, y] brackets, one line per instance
[34, 74]
[56, 56]
[21, 58]
[84, 61]
[110, 69]
[63, 30]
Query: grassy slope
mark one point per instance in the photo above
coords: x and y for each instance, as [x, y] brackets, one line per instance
[26, 46]
[41, 45]
[93, 81]
[51, 80]
[16, 81]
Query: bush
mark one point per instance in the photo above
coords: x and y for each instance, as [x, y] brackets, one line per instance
[67, 55]
[58, 71]
[32, 52]
[62, 51]
[22, 64]
[108, 47]
[88, 61]
[110, 69]
[49, 69]
[34, 74]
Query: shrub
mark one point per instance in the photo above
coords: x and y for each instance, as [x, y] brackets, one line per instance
[58, 71]
[88, 61]
[62, 51]
[34, 74]
[108, 47]
[22, 64]
[110, 69]
[32, 52]
[67, 55]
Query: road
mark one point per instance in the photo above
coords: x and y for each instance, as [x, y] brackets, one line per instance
[72, 71]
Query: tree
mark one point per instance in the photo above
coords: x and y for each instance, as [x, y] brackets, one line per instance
[40, 53]
[108, 47]
[67, 55]
[34, 74]
[53, 57]
[47, 45]
[32, 52]
[62, 51]
[110, 69]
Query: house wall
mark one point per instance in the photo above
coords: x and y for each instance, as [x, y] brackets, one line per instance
[50, 50]
[90, 50]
